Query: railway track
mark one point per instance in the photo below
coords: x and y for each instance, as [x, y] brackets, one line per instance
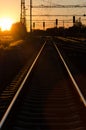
[74, 53]
[48, 98]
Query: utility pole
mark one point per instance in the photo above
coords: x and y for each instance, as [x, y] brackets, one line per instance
[74, 20]
[30, 15]
[56, 23]
[43, 25]
[34, 26]
[23, 13]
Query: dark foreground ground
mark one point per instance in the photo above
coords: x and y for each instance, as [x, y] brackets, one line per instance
[13, 56]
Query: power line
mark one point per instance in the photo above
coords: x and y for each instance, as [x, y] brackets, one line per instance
[49, 4]
[58, 15]
[58, 6]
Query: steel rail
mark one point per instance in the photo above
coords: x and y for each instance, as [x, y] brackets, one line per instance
[20, 88]
[79, 46]
[71, 77]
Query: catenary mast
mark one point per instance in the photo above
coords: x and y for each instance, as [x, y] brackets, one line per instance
[30, 15]
[23, 13]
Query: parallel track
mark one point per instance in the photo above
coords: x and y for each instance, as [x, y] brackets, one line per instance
[49, 101]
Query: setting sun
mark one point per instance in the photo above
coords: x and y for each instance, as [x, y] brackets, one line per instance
[6, 23]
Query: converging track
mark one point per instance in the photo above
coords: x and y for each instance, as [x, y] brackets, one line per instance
[48, 97]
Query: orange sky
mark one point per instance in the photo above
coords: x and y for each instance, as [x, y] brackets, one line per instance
[11, 8]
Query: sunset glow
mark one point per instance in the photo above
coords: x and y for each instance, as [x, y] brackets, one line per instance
[12, 9]
[6, 23]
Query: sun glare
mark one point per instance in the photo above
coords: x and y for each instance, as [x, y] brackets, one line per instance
[6, 23]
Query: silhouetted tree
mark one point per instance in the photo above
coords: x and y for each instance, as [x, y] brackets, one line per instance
[19, 31]
[78, 24]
